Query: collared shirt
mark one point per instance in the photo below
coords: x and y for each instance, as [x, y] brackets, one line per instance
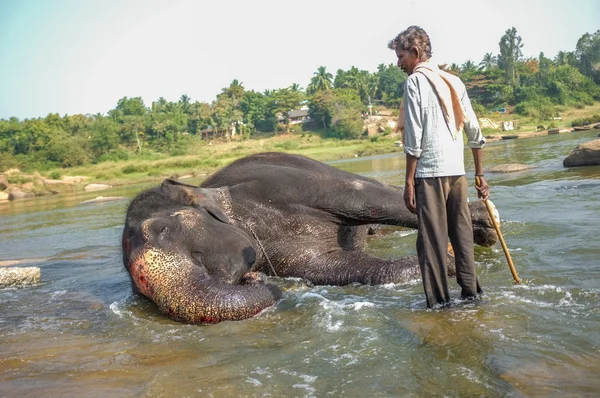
[426, 133]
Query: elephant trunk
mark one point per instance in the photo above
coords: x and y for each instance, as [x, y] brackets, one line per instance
[184, 293]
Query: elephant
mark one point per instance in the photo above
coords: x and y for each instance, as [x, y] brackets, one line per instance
[201, 252]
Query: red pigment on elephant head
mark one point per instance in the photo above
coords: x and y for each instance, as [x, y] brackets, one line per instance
[138, 273]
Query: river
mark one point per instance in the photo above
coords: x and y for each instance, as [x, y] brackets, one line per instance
[81, 332]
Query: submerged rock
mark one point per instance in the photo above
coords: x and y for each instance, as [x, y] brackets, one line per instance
[19, 276]
[509, 168]
[101, 199]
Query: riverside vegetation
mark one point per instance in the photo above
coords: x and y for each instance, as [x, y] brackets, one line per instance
[133, 142]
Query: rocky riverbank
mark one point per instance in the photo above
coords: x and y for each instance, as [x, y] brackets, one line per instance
[15, 184]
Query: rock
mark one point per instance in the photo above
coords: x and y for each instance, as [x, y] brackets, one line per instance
[74, 179]
[19, 276]
[48, 181]
[101, 199]
[371, 130]
[96, 187]
[27, 187]
[3, 196]
[586, 154]
[16, 193]
[509, 168]
[3, 182]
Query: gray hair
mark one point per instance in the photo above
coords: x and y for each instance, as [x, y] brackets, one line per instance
[413, 36]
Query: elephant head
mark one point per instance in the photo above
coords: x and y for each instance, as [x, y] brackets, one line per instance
[183, 253]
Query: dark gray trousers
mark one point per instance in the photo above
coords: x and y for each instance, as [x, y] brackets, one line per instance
[442, 212]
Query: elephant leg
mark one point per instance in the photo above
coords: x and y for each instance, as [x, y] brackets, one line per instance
[346, 267]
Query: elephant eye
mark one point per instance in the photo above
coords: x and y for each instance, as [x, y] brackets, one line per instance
[163, 232]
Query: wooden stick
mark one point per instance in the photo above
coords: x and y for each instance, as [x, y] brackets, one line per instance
[504, 247]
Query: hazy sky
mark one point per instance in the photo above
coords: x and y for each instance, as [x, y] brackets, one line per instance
[81, 56]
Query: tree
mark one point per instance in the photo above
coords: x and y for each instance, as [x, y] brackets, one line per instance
[510, 54]
[488, 62]
[255, 106]
[321, 80]
[323, 105]
[285, 100]
[184, 104]
[391, 84]
[103, 137]
[131, 106]
[587, 52]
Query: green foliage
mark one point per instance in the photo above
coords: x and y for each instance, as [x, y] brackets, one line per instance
[587, 51]
[391, 84]
[135, 168]
[67, 151]
[347, 123]
[55, 175]
[287, 145]
[19, 179]
[540, 108]
[114, 156]
[586, 121]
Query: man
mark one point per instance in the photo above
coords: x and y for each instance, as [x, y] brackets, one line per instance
[436, 108]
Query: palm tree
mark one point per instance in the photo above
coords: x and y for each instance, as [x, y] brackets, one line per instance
[184, 103]
[468, 66]
[295, 87]
[322, 80]
[488, 62]
[454, 67]
[562, 58]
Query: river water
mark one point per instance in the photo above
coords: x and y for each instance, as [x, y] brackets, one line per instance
[81, 332]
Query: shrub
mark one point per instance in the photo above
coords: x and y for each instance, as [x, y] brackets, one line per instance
[347, 123]
[135, 168]
[55, 175]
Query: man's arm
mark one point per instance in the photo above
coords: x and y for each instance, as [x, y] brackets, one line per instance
[409, 183]
[483, 189]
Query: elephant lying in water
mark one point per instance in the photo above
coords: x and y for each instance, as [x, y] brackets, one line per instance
[190, 249]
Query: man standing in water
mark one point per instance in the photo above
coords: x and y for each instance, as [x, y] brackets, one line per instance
[436, 108]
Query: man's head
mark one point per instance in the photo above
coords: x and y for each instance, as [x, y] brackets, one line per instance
[412, 46]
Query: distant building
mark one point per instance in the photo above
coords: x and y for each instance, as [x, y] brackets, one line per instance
[298, 116]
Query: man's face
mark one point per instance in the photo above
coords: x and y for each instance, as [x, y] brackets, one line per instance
[407, 60]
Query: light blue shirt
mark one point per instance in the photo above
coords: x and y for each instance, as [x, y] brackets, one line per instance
[426, 133]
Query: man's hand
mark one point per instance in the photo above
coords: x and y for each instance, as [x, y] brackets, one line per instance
[483, 189]
[409, 197]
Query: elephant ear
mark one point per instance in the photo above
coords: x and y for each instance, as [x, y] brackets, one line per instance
[189, 195]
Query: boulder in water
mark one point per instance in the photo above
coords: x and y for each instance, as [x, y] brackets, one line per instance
[586, 154]
[11, 276]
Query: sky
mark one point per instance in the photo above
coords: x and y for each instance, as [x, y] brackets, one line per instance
[82, 56]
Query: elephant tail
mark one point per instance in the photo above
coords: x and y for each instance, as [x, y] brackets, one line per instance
[185, 294]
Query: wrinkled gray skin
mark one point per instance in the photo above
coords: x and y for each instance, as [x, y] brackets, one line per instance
[276, 213]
